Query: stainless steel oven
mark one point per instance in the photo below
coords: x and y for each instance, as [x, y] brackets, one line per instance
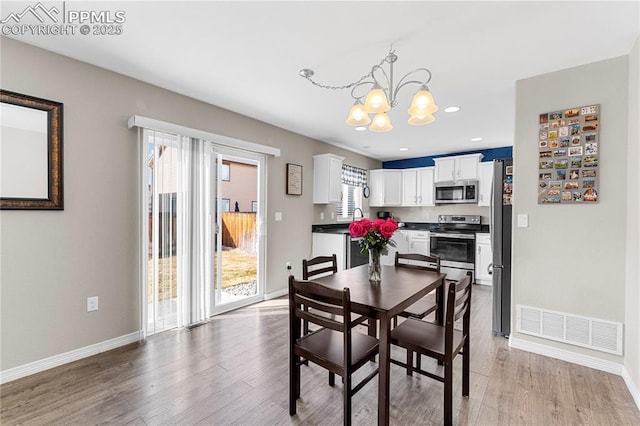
[454, 249]
[454, 242]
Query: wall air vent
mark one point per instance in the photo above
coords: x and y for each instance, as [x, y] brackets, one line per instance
[601, 335]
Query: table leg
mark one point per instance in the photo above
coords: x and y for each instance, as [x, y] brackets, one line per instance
[384, 367]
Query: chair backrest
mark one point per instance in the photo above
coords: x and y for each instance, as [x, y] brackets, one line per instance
[336, 303]
[458, 306]
[319, 265]
[322, 299]
[418, 261]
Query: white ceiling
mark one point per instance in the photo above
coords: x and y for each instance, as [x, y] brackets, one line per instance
[245, 57]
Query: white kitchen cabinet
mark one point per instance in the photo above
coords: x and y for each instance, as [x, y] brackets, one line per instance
[327, 178]
[402, 245]
[485, 183]
[460, 167]
[385, 187]
[417, 187]
[418, 242]
[484, 257]
[326, 244]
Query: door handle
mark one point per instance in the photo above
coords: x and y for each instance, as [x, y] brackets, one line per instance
[489, 267]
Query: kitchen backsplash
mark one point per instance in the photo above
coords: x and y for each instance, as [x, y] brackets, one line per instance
[408, 214]
[430, 214]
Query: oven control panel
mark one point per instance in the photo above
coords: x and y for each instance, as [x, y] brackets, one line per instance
[445, 218]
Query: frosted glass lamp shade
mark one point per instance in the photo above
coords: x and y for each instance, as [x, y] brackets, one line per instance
[422, 103]
[376, 101]
[381, 123]
[418, 120]
[357, 116]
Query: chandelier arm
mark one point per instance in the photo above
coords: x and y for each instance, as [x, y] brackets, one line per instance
[346, 86]
[357, 86]
[376, 68]
[403, 83]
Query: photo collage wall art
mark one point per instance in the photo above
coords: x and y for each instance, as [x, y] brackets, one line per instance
[568, 152]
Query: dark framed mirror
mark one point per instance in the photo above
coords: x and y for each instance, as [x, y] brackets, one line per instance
[30, 153]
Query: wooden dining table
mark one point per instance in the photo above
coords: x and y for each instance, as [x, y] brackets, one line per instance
[399, 288]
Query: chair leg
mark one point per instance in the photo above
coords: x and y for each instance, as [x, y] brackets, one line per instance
[418, 361]
[332, 379]
[395, 321]
[346, 396]
[294, 383]
[466, 354]
[410, 362]
[448, 393]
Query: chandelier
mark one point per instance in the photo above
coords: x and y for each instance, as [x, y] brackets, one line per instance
[383, 95]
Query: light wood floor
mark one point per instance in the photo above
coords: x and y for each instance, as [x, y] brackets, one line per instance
[233, 370]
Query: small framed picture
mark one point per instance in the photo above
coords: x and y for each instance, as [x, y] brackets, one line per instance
[294, 179]
[509, 170]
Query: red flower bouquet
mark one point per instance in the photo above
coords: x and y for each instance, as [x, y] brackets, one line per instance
[374, 236]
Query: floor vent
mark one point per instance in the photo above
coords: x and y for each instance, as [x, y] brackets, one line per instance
[601, 335]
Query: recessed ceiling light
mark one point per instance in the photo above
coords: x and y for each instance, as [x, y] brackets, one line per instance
[404, 149]
[452, 109]
[476, 139]
[361, 128]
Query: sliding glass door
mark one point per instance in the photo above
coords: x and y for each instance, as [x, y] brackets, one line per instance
[238, 240]
[203, 247]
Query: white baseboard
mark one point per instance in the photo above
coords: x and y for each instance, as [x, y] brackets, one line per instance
[275, 294]
[633, 388]
[564, 355]
[67, 357]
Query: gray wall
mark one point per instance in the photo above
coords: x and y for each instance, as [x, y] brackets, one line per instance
[632, 291]
[571, 258]
[52, 261]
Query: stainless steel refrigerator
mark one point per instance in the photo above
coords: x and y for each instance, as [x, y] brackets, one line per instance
[501, 243]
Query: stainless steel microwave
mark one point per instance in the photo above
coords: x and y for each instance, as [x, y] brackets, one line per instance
[465, 191]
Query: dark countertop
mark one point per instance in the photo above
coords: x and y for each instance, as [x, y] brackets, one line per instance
[343, 228]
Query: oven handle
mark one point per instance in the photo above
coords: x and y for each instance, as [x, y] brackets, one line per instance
[459, 236]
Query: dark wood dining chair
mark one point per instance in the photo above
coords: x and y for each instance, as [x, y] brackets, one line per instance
[429, 303]
[334, 346]
[322, 266]
[442, 343]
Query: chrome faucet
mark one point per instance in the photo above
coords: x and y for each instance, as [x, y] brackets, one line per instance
[361, 213]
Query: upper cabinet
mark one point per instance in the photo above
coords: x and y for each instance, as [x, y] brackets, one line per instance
[327, 178]
[417, 187]
[461, 167]
[485, 181]
[386, 188]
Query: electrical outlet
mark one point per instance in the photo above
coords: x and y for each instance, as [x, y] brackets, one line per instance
[92, 303]
[333, 215]
[321, 215]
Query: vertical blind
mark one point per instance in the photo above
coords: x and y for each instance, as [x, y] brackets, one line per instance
[179, 191]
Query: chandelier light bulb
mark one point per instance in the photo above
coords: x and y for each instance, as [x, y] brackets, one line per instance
[381, 123]
[376, 101]
[357, 116]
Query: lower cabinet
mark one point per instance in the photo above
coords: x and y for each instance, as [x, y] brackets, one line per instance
[484, 258]
[419, 242]
[326, 244]
[402, 245]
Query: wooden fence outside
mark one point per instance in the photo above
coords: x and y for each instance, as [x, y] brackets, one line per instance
[239, 231]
